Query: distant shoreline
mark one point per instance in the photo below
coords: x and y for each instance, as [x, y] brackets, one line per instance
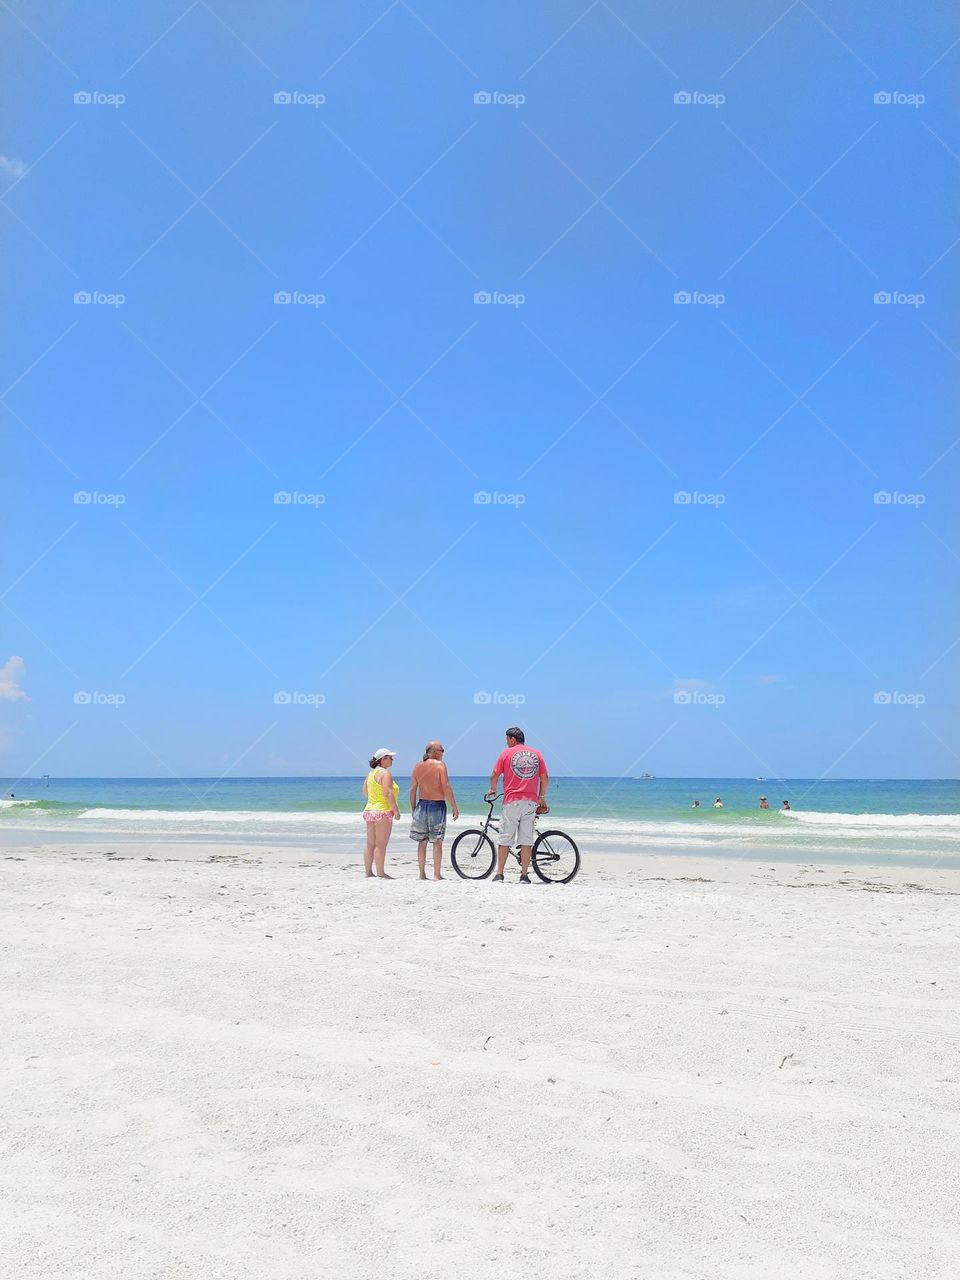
[466, 777]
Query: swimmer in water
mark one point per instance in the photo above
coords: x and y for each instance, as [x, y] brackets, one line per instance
[718, 803]
[763, 803]
[786, 807]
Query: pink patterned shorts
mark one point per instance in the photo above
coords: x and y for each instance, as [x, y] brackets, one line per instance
[374, 815]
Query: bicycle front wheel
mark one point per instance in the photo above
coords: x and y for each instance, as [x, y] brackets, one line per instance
[556, 858]
[473, 855]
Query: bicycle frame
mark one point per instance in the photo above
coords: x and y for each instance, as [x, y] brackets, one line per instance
[493, 822]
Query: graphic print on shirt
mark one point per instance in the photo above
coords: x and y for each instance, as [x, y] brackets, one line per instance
[524, 765]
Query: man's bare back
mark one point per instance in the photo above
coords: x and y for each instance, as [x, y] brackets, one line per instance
[430, 776]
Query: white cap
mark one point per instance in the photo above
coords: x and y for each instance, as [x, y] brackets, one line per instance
[381, 752]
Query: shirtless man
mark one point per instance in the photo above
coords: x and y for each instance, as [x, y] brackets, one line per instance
[428, 819]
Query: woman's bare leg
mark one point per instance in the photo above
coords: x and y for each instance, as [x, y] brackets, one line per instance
[382, 829]
[368, 850]
[437, 859]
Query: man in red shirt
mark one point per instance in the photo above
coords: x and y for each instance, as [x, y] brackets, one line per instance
[525, 782]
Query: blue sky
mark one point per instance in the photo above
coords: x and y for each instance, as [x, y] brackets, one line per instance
[584, 597]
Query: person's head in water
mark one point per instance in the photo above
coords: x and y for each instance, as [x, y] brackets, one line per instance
[433, 751]
[515, 736]
[786, 804]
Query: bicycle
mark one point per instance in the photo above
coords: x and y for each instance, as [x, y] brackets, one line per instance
[555, 859]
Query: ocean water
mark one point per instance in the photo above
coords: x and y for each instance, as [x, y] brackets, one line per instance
[842, 820]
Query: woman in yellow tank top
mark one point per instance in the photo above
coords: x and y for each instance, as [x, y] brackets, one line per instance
[379, 812]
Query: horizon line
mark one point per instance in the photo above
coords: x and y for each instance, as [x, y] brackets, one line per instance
[568, 777]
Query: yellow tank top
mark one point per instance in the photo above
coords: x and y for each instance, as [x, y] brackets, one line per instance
[376, 800]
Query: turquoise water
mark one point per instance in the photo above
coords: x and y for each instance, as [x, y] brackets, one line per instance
[843, 820]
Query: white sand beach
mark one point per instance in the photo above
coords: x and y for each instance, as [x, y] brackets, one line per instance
[225, 1063]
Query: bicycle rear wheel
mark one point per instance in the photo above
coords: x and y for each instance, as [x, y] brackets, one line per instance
[473, 855]
[556, 858]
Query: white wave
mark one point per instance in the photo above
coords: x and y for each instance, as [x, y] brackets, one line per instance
[875, 820]
[809, 832]
[877, 825]
[226, 817]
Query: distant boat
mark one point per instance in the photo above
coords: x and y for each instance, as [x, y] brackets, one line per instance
[761, 779]
[647, 776]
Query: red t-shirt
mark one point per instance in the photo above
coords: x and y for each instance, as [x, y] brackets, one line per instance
[521, 766]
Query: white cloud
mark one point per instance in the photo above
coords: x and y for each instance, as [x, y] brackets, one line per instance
[16, 168]
[689, 686]
[11, 674]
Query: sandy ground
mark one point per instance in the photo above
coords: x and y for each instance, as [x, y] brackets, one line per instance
[221, 1063]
